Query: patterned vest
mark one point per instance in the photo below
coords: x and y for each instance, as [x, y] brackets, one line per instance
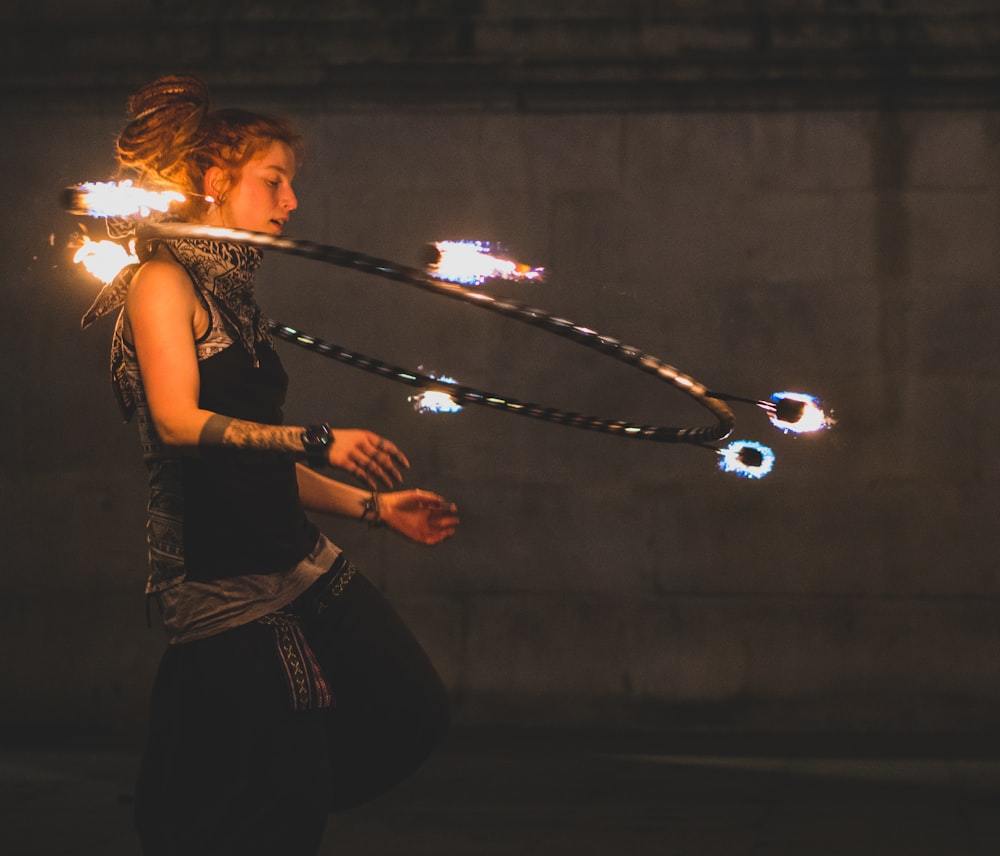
[224, 512]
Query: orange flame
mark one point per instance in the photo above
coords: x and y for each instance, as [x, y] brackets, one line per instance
[474, 262]
[119, 199]
[104, 259]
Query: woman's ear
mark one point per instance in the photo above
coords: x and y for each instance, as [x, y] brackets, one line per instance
[216, 184]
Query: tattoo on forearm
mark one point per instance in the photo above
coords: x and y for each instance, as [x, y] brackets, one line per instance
[252, 435]
[224, 431]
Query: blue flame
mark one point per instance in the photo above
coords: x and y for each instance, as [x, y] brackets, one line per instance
[747, 459]
[434, 400]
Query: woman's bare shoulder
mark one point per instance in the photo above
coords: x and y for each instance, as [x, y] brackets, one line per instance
[161, 278]
[162, 296]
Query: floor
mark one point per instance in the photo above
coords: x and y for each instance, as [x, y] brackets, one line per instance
[581, 794]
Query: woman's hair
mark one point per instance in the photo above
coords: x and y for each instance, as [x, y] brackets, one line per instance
[173, 138]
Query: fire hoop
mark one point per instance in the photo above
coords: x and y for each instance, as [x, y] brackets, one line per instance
[699, 435]
[789, 412]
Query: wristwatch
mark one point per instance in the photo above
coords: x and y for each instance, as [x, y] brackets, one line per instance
[315, 440]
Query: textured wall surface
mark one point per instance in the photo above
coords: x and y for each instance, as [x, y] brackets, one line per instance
[767, 195]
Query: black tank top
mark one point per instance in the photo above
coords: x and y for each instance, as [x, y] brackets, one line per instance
[242, 513]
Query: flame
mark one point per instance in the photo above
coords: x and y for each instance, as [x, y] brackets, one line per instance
[119, 199]
[746, 458]
[797, 413]
[435, 400]
[474, 262]
[104, 259]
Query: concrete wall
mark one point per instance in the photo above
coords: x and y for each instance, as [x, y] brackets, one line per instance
[835, 233]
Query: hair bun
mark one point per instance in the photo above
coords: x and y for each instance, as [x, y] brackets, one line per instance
[166, 116]
[176, 93]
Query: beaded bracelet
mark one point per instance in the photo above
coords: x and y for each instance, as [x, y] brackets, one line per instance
[370, 512]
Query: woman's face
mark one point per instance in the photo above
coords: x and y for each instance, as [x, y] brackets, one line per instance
[262, 199]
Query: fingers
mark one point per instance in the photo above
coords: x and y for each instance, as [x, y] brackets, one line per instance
[442, 521]
[420, 515]
[390, 450]
[445, 516]
[435, 505]
[377, 462]
[387, 459]
[433, 535]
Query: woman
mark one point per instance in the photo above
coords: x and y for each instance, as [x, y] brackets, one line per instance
[289, 687]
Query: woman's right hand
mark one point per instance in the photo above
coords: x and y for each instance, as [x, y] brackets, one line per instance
[367, 456]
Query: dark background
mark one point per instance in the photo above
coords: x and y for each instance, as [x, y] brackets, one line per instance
[768, 195]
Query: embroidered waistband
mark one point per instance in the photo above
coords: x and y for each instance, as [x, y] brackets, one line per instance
[307, 685]
[320, 595]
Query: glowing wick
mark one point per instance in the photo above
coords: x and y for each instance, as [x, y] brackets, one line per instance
[435, 400]
[474, 262]
[797, 413]
[117, 199]
[103, 259]
[746, 458]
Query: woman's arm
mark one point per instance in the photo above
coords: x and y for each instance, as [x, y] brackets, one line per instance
[163, 312]
[419, 515]
[164, 317]
[328, 496]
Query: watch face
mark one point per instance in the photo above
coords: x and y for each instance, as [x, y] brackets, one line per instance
[316, 437]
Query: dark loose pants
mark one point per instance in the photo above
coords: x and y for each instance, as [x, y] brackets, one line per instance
[231, 767]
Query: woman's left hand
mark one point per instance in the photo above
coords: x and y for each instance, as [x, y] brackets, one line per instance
[419, 515]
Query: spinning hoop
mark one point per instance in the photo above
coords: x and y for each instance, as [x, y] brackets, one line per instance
[610, 347]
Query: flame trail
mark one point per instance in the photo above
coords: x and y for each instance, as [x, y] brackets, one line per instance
[475, 262]
[117, 199]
